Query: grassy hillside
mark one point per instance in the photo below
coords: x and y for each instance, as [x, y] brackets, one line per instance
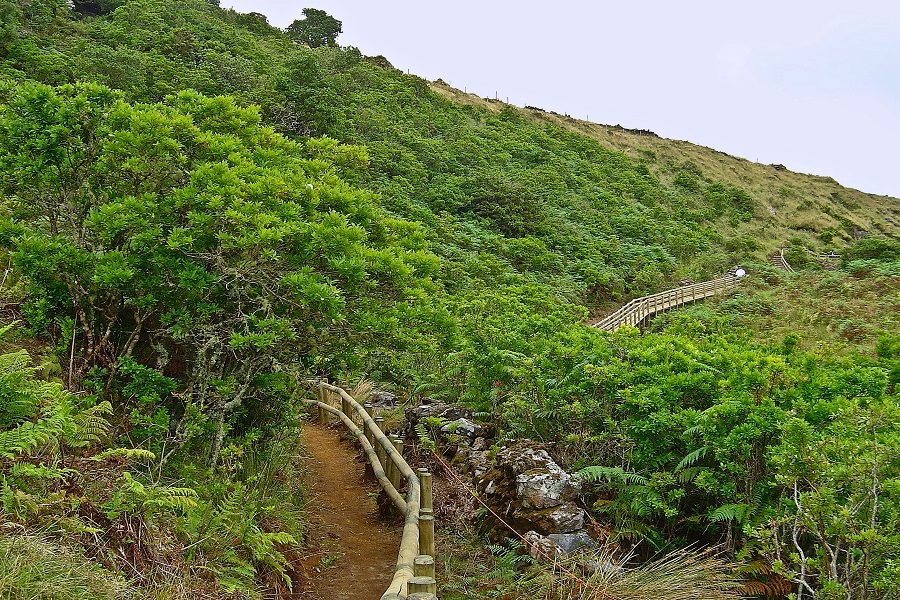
[816, 209]
[590, 213]
[198, 213]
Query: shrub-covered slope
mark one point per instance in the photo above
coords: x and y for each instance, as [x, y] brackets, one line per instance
[186, 245]
[508, 196]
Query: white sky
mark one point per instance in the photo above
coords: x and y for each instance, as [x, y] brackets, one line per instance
[812, 84]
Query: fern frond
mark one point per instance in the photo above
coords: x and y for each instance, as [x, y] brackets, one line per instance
[91, 425]
[689, 474]
[693, 457]
[600, 473]
[25, 438]
[729, 512]
[22, 469]
[7, 328]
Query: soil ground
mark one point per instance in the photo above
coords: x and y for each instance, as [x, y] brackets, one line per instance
[353, 552]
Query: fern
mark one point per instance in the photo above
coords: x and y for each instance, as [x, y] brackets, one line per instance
[134, 496]
[692, 458]
[689, 474]
[21, 469]
[730, 512]
[91, 425]
[611, 474]
[424, 436]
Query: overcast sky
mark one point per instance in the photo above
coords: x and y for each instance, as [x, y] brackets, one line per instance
[812, 84]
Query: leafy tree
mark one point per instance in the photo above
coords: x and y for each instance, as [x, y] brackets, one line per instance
[317, 28]
[189, 236]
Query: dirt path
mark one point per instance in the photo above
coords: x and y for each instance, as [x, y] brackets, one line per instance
[355, 552]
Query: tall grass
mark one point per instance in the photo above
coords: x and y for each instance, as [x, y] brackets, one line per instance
[679, 575]
[32, 568]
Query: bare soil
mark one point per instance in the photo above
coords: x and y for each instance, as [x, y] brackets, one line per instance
[353, 552]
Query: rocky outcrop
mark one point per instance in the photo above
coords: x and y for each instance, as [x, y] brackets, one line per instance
[520, 482]
[383, 399]
[533, 490]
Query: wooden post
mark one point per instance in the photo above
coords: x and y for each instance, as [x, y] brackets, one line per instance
[321, 397]
[370, 408]
[426, 532]
[382, 458]
[423, 566]
[323, 414]
[425, 484]
[370, 433]
[345, 408]
[422, 585]
[395, 472]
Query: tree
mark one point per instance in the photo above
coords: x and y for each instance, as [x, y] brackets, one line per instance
[317, 28]
[188, 236]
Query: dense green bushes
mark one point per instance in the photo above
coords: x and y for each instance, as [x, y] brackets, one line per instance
[190, 264]
[475, 178]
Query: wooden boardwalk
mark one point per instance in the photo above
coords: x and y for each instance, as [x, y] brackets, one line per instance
[639, 310]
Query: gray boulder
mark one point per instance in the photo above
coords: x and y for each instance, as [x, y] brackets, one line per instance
[564, 518]
[383, 399]
[540, 482]
[463, 427]
[572, 542]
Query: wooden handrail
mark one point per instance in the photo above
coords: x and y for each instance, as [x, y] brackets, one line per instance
[635, 311]
[787, 265]
[409, 506]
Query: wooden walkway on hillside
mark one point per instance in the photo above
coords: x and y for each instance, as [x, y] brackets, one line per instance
[781, 262]
[639, 310]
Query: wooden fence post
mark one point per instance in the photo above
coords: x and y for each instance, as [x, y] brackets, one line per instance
[370, 408]
[423, 566]
[382, 458]
[422, 585]
[426, 532]
[395, 472]
[371, 433]
[425, 484]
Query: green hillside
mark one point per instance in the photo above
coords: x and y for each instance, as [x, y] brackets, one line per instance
[199, 212]
[509, 196]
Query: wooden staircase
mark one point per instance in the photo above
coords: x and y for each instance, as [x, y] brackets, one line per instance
[639, 310]
[781, 262]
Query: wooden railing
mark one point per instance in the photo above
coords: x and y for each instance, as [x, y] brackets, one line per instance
[640, 309]
[414, 575]
[781, 262]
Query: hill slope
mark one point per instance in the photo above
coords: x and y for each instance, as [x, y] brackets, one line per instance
[591, 214]
[791, 204]
[187, 258]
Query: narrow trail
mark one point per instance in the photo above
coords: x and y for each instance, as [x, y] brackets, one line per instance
[354, 551]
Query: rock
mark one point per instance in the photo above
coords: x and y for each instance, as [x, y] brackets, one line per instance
[435, 409]
[477, 463]
[544, 490]
[540, 547]
[571, 542]
[383, 399]
[479, 444]
[564, 518]
[593, 566]
[462, 426]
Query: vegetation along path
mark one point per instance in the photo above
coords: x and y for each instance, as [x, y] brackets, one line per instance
[357, 552]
